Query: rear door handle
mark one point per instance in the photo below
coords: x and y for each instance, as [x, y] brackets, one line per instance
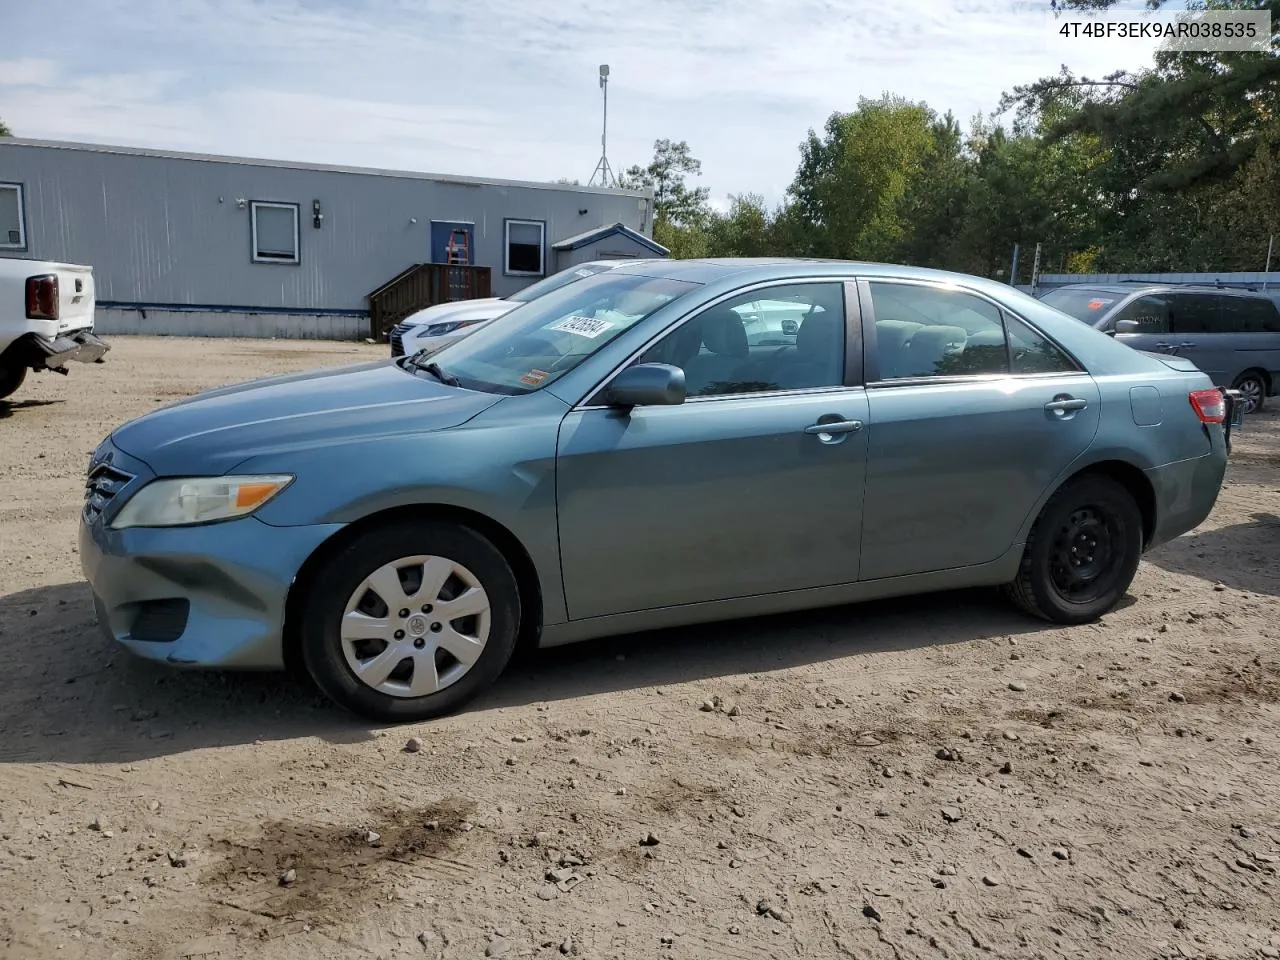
[1066, 405]
[835, 426]
[1161, 345]
[1187, 343]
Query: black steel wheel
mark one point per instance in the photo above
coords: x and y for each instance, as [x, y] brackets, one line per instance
[1082, 554]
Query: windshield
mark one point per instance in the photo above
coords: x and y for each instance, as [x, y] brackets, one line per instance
[558, 280]
[1087, 305]
[539, 342]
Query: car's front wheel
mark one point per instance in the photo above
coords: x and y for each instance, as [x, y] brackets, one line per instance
[1082, 554]
[410, 621]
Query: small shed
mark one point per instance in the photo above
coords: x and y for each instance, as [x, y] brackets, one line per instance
[610, 242]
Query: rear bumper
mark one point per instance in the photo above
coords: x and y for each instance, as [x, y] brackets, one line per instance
[81, 346]
[1187, 490]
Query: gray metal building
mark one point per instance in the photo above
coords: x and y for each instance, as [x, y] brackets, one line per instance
[209, 245]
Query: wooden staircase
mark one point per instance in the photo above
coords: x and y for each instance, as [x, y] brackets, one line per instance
[424, 285]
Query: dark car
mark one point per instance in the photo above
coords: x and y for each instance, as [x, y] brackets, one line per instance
[1232, 335]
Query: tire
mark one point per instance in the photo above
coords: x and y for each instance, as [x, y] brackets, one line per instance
[1100, 511]
[11, 379]
[348, 625]
[1253, 385]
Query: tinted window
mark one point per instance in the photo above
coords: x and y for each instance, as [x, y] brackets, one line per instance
[1087, 305]
[539, 342]
[1249, 315]
[1195, 313]
[1031, 352]
[1151, 313]
[928, 331]
[789, 337]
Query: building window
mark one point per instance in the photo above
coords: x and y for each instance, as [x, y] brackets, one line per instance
[13, 233]
[525, 242]
[275, 232]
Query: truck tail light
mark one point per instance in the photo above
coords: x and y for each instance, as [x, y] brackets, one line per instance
[42, 297]
[1210, 405]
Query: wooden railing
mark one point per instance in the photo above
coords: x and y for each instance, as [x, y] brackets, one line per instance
[423, 285]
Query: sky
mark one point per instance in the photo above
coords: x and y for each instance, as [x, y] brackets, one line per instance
[508, 88]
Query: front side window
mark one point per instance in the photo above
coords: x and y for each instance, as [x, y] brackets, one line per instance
[275, 232]
[931, 331]
[539, 342]
[524, 245]
[788, 337]
[13, 232]
[1150, 313]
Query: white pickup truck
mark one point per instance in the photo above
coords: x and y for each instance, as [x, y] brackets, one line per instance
[46, 319]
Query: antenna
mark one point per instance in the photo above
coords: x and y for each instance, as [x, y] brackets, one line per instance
[603, 170]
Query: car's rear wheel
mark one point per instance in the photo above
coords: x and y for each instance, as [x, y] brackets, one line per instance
[1082, 554]
[11, 378]
[410, 622]
[1253, 390]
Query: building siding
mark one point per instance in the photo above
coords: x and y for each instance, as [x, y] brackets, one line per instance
[164, 229]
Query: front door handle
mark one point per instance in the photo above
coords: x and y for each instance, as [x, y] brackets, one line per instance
[835, 426]
[1066, 405]
[1161, 345]
[1187, 343]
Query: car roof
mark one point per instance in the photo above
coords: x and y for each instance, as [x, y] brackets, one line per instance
[713, 269]
[1141, 287]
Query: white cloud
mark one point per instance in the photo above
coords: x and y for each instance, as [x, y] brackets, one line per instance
[505, 87]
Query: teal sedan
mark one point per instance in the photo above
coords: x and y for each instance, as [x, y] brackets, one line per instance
[667, 443]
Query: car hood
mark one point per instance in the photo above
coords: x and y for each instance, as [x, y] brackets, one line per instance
[484, 309]
[208, 434]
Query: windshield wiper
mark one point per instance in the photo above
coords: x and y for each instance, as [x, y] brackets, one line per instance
[437, 371]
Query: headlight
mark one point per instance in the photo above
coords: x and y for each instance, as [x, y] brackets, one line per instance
[440, 329]
[176, 503]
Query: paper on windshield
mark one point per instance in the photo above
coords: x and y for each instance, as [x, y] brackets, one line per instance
[589, 327]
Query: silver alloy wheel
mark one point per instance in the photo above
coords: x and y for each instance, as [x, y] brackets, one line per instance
[1250, 393]
[415, 626]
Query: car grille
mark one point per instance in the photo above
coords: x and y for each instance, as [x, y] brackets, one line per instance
[397, 339]
[101, 488]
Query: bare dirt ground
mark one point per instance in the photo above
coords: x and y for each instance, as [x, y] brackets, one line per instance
[931, 778]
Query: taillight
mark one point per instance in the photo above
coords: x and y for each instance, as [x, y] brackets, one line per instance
[1210, 405]
[42, 297]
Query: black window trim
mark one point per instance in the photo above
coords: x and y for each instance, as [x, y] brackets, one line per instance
[254, 255]
[23, 240]
[593, 399]
[506, 247]
[871, 359]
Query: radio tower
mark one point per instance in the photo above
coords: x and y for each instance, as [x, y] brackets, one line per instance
[603, 171]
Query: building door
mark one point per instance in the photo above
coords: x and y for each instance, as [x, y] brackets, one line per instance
[456, 234]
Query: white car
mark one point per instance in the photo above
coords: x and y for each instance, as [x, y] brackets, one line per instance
[446, 323]
[46, 318]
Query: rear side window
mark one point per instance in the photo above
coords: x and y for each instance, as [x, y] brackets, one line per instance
[1249, 315]
[1151, 314]
[1031, 352]
[1196, 313]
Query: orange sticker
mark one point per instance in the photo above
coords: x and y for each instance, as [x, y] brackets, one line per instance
[534, 377]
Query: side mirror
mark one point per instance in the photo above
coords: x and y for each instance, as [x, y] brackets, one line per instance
[647, 385]
[1127, 326]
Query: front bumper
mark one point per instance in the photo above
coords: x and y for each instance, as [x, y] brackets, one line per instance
[209, 596]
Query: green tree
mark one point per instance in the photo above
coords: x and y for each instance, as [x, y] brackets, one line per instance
[852, 182]
[674, 202]
[4, 130]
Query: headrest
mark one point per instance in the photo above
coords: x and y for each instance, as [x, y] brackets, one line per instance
[724, 334]
[819, 334]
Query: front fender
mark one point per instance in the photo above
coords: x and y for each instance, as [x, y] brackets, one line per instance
[500, 465]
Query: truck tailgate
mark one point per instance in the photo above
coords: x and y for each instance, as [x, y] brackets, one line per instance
[76, 297]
